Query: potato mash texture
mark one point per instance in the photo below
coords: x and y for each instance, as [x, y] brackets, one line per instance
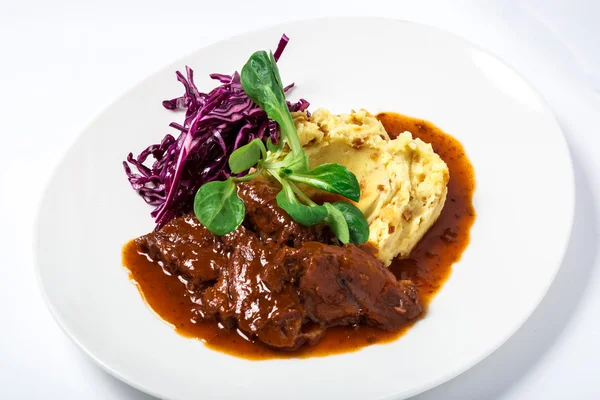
[403, 181]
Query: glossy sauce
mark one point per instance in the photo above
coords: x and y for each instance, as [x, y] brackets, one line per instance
[429, 264]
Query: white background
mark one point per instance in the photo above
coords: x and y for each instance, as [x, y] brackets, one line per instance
[62, 62]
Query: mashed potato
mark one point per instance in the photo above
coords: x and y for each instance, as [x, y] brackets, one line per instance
[403, 182]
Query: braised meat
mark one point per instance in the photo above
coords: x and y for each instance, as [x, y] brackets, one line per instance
[348, 285]
[271, 223]
[186, 247]
[277, 281]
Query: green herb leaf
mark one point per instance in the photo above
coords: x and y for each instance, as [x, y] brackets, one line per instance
[337, 222]
[246, 156]
[276, 71]
[273, 148]
[301, 213]
[298, 163]
[218, 207]
[262, 84]
[357, 223]
[285, 172]
[333, 178]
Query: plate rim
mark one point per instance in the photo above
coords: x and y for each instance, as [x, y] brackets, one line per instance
[432, 383]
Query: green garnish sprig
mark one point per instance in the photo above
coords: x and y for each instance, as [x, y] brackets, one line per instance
[217, 205]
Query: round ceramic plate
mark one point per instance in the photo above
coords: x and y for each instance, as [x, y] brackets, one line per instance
[524, 201]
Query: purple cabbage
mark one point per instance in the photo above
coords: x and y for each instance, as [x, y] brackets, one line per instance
[215, 124]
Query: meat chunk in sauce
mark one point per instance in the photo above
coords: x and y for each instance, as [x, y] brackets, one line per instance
[186, 248]
[277, 281]
[348, 285]
[270, 223]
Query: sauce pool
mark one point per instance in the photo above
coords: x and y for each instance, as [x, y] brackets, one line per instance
[430, 262]
[428, 265]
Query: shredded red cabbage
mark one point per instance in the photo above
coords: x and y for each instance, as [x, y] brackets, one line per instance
[215, 124]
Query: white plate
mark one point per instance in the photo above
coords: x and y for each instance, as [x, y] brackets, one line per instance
[524, 201]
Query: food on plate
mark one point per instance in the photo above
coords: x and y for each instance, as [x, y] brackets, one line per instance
[275, 227]
[277, 280]
[402, 180]
[215, 124]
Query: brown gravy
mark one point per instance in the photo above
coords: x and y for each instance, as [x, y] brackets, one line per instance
[429, 264]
